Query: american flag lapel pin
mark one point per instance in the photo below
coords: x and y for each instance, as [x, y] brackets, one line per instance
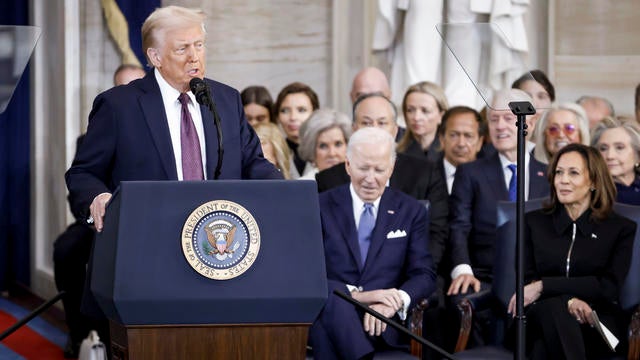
[390, 212]
[540, 173]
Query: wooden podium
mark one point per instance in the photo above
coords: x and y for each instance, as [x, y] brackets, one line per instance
[160, 307]
[267, 341]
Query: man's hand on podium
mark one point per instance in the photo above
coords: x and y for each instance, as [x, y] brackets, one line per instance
[97, 210]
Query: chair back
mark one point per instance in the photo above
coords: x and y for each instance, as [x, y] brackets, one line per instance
[630, 292]
[504, 265]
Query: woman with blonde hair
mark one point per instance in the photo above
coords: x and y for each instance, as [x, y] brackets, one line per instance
[422, 106]
[562, 124]
[274, 146]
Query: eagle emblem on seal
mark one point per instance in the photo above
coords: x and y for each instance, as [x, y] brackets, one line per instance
[220, 235]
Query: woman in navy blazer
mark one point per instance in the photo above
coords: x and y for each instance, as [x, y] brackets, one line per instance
[578, 253]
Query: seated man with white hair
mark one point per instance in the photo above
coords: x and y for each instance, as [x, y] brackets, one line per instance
[376, 248]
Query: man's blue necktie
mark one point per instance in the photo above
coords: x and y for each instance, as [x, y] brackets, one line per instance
[365, 227]
[513, 184]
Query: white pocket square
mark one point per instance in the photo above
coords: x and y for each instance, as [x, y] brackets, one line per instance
[396, 234]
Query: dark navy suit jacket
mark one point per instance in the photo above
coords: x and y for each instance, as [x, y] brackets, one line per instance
[128, 139]
[401, 262]
[477, 188]
[416, 177]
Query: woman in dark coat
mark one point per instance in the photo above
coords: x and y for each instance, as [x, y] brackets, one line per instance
[619, 144]
[578, 253]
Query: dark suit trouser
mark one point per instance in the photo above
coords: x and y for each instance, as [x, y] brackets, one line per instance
[70, 256]
[337, 333]
[552, 332]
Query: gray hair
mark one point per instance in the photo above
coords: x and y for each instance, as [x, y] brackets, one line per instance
[371, 136]
[540, 152]
[502, 98]
[321, 120]
[611, 123]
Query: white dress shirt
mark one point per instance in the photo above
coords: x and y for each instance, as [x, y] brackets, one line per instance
[173, 109]
[449, 174]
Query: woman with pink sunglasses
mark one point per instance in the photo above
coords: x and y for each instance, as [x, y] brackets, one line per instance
[562, 124]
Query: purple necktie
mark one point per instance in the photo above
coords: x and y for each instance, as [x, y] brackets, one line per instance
[191, 156]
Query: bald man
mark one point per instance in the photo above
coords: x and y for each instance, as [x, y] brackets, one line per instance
[370, 80]
[597, 108]
[126, 73]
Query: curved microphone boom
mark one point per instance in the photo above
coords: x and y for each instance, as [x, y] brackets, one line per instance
[201, 90]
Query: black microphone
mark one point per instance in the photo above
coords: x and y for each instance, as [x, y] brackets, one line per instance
[201, 90]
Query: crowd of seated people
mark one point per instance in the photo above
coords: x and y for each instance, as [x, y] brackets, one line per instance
[463, 164]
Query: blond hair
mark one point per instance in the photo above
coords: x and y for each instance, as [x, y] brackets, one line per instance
[166, 18]
[424, 87]
[271, 133]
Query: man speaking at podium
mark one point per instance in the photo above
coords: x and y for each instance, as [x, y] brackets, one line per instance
[376, 247]
[154, 129]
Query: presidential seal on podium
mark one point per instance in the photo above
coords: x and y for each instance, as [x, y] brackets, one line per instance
[220, 240]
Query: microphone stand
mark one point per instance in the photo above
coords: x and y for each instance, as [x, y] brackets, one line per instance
[393, 324]
[521, 109]
[216, 119]
[31, 315]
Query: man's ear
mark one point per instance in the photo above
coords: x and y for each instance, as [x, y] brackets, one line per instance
[154, 57]
[347, 166]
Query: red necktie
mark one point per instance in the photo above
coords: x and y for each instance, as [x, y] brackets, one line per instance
[191, 156]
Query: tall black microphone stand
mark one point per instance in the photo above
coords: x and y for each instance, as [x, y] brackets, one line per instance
[521, 109]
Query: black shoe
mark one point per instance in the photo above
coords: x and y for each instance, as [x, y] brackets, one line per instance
[71, 349]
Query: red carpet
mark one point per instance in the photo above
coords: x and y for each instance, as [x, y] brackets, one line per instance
[26, 342]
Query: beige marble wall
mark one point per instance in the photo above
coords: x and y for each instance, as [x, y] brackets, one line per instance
[270, 43]
[596, 50]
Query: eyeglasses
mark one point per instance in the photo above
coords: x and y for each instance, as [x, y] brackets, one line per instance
[568, 130]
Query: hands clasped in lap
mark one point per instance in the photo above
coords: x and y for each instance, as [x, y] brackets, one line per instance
[385, 301]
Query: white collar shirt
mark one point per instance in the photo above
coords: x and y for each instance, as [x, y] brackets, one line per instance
[173, 110]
